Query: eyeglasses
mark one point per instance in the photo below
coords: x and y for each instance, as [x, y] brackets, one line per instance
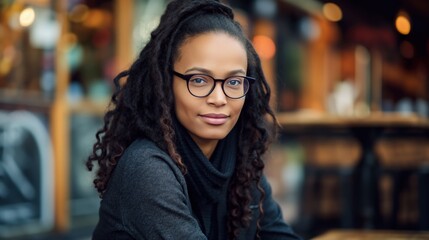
[201, 85]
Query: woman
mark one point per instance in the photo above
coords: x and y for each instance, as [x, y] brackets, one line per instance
[179, 155]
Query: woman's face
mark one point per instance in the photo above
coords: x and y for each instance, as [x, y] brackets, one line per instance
[219, 55]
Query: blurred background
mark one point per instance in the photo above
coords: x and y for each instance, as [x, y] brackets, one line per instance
[349, 84]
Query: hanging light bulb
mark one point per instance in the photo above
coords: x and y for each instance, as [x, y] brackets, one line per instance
[26, 17]
[402, 23]
[332, 12]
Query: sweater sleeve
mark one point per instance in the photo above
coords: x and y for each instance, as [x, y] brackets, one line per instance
[154, 202]
[273, 225]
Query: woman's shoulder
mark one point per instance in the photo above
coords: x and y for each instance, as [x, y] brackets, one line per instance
[144, 158]
[145, 166]
[143, 146]
[144, 152]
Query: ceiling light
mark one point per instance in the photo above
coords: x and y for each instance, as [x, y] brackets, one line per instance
[402, 23]
[332, 12]
[26, 17]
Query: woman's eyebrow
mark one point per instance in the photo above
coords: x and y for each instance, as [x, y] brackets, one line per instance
[208, 72]
[238, 71]
[199, 69]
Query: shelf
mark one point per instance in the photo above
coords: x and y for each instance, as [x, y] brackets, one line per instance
[23, 99]
[88, 106]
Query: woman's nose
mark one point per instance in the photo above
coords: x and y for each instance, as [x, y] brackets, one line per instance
[217, 97]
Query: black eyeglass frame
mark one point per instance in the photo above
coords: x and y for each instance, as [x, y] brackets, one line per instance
[188, 77]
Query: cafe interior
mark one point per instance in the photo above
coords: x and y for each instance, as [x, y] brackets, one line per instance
[349, 82]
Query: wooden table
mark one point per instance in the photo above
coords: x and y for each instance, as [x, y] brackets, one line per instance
[366, 130]
[372, 235]
[289, 120]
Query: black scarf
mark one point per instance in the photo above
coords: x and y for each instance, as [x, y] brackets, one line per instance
[208, 180]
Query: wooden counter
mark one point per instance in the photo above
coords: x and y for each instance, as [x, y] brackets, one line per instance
[372, 235]
[376, 119]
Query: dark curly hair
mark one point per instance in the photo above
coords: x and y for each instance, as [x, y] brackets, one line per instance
[132, 113]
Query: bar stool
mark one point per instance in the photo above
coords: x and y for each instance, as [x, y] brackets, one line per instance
[404, 162]
[423, 180]
[333, 158]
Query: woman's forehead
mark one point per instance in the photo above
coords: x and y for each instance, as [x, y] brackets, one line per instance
[212, 51]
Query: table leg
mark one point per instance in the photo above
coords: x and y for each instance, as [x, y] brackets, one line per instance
[424, 198]
[368, 175]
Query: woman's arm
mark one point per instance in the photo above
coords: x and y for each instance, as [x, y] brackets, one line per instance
[273, 225]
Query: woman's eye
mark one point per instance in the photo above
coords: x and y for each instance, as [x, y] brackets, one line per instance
[234, 82]
[198, 80]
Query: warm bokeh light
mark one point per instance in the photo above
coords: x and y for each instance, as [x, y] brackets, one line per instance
[332, 12]
[79, 13]
[402, 23]
[98, 18]
[406, 49]
[71, 38]
[264, 46]
[27, 16]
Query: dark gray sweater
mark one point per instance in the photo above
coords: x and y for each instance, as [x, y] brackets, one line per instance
[147, 198]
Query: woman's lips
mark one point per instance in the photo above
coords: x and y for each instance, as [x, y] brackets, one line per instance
[214, 119]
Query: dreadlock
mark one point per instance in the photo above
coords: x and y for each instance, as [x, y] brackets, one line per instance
[133, 115]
